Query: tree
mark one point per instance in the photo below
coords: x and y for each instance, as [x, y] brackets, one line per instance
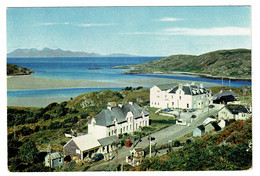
[28, 152]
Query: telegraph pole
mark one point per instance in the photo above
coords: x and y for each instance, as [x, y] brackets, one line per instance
[150, 146]
[49, 151]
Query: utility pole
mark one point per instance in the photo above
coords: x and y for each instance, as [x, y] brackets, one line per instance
[49, 151]
[14, 131]
[150, 146]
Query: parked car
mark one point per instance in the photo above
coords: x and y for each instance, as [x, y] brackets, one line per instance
[166, 109]
[180, 122]
[97, 157]
[211, 106]
[184, 110]
[192, 110]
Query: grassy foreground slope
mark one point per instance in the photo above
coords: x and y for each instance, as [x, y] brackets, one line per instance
[228, 63]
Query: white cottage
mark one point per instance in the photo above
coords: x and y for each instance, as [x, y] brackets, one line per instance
[118, 120]
[180, 96]
[233, 112]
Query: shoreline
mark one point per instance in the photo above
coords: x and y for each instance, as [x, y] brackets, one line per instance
[28, 82]
[196, 74]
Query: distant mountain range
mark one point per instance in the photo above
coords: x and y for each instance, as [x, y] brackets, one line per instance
[47, 52]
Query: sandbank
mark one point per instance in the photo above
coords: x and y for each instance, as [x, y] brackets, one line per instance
[30, 82]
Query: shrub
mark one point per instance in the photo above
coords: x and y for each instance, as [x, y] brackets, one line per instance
[176, 144]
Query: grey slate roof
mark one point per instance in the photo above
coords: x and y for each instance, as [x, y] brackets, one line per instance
[166, 86]
[224, 93]
[201, 127]
[106, 117]
[54, 155]
[235, 109]
[190, 90]
[108, 140]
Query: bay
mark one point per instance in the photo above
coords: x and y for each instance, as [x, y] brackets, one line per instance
[82, 69]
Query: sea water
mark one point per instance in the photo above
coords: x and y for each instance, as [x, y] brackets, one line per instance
[78, 69]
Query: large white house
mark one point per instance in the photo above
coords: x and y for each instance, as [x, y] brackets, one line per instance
[118, 120]
[185, 96]
[104, 128]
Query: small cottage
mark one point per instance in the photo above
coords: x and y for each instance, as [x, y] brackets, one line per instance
[224, 96]
[82, 146]
[212, 126]
[233, 112]
[197, 132]
[56, 159]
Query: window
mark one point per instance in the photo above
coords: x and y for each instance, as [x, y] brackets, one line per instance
[108, 133]
[77, 151]
[126, 128]
[60, 160]
[165, 96]
[172, 103]
[188, 105]
[180, 97]
[136, 126]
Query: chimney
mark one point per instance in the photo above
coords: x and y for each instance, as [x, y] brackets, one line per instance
[109, 108]
[180, 85]
[131, 103]
[201, 85]
[120, 105]
[193, 83]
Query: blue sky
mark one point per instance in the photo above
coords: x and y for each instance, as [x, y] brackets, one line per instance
[147, 31]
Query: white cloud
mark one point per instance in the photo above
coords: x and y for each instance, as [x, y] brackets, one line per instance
[169, 19]
[94, 24]
[217, 31]
[49, 24]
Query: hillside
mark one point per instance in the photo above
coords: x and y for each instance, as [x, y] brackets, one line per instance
[34, 128]
[47, 52]
[227, 63]
[17, 70]
[228, 149]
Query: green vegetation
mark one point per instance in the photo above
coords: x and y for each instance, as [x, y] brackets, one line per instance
[34, 128]
[16, 70]
[226, 150]
[228, 63]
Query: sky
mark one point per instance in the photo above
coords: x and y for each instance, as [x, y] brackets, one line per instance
[145, 31]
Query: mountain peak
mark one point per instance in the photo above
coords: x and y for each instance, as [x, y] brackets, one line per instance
[47, 52]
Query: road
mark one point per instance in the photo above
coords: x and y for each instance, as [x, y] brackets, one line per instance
[161, 137]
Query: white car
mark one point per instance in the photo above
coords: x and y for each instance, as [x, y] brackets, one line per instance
[180, 122]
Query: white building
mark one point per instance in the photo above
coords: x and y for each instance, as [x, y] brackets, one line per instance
[233, 112]
[118, 120]
[180, 96]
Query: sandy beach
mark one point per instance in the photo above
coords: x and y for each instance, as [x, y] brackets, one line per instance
[30, 82]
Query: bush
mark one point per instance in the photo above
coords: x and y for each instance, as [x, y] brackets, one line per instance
[176, 144]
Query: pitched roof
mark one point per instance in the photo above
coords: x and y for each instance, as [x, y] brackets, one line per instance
[201, 127]
[166, 86]
[106, 117]
[223, 93]
[108, 140]
[190, 89]
[235, 109]
[86, 142]
[208, 120]
[54, 155]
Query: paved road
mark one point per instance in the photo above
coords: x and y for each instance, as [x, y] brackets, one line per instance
[161, 137]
